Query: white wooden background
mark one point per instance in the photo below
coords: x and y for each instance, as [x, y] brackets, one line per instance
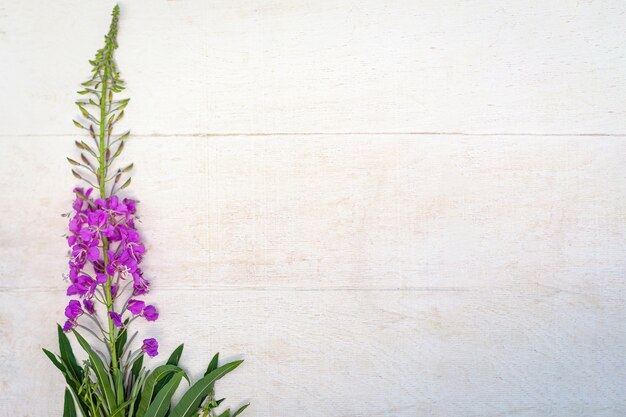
[388, 208]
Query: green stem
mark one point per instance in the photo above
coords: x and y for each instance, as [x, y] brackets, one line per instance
[105, 241]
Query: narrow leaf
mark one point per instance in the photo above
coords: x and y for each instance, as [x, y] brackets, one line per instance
[119, 411]
[119, 386]
[53, 358]
[121, 341]
[191, 400]
[69, 410]
[240, 410]
[148, 392]
[103, 377]
[226, 413]
[161, 403]
[137, 366]
[213, 364]
[172, 360]
[67, 355]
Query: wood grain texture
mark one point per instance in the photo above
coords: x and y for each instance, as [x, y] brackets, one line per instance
[485, 352]
[297, 213]
[394, 276]
[324, 66]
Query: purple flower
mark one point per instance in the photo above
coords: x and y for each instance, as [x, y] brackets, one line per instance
[84, 286]
[98, 223]
[101, 278]
[73, 309]
[76, 224]
[117, 319]
[130, 205]
[151, 347]
[116, 207]
[114, 289]
[93, 253]
[89, 307]
[135, 306]
[123, 264]
[140, 284]
[73, 275]
[69, 325]
[94, 220]
[78, 202]
[150, 313]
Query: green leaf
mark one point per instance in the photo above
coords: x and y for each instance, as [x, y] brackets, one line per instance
[137, 366]
[119, 387]
[161, 403]
[226, 413]
[191, 400]
[120, 410]
[172, 360]
[213, 364]
[67, 355]
[240, 410]
[121, 340]
[149, 390]
[137, 383]
[55, 361]
[176, 354]
[69, 410]
[103, 377]
[79, 402]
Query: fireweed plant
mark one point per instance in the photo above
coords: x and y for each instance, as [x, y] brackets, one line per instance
[106, 281]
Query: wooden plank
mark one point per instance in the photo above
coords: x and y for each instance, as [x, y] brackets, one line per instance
[326, 66]
[341, 213]
[487, 352]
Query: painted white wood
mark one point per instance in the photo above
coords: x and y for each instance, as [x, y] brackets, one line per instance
[324, 66]
[359, 270]
[482, 352]
[357, 275]
[359, 212]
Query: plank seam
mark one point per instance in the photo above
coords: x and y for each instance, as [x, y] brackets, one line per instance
[225, 134]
